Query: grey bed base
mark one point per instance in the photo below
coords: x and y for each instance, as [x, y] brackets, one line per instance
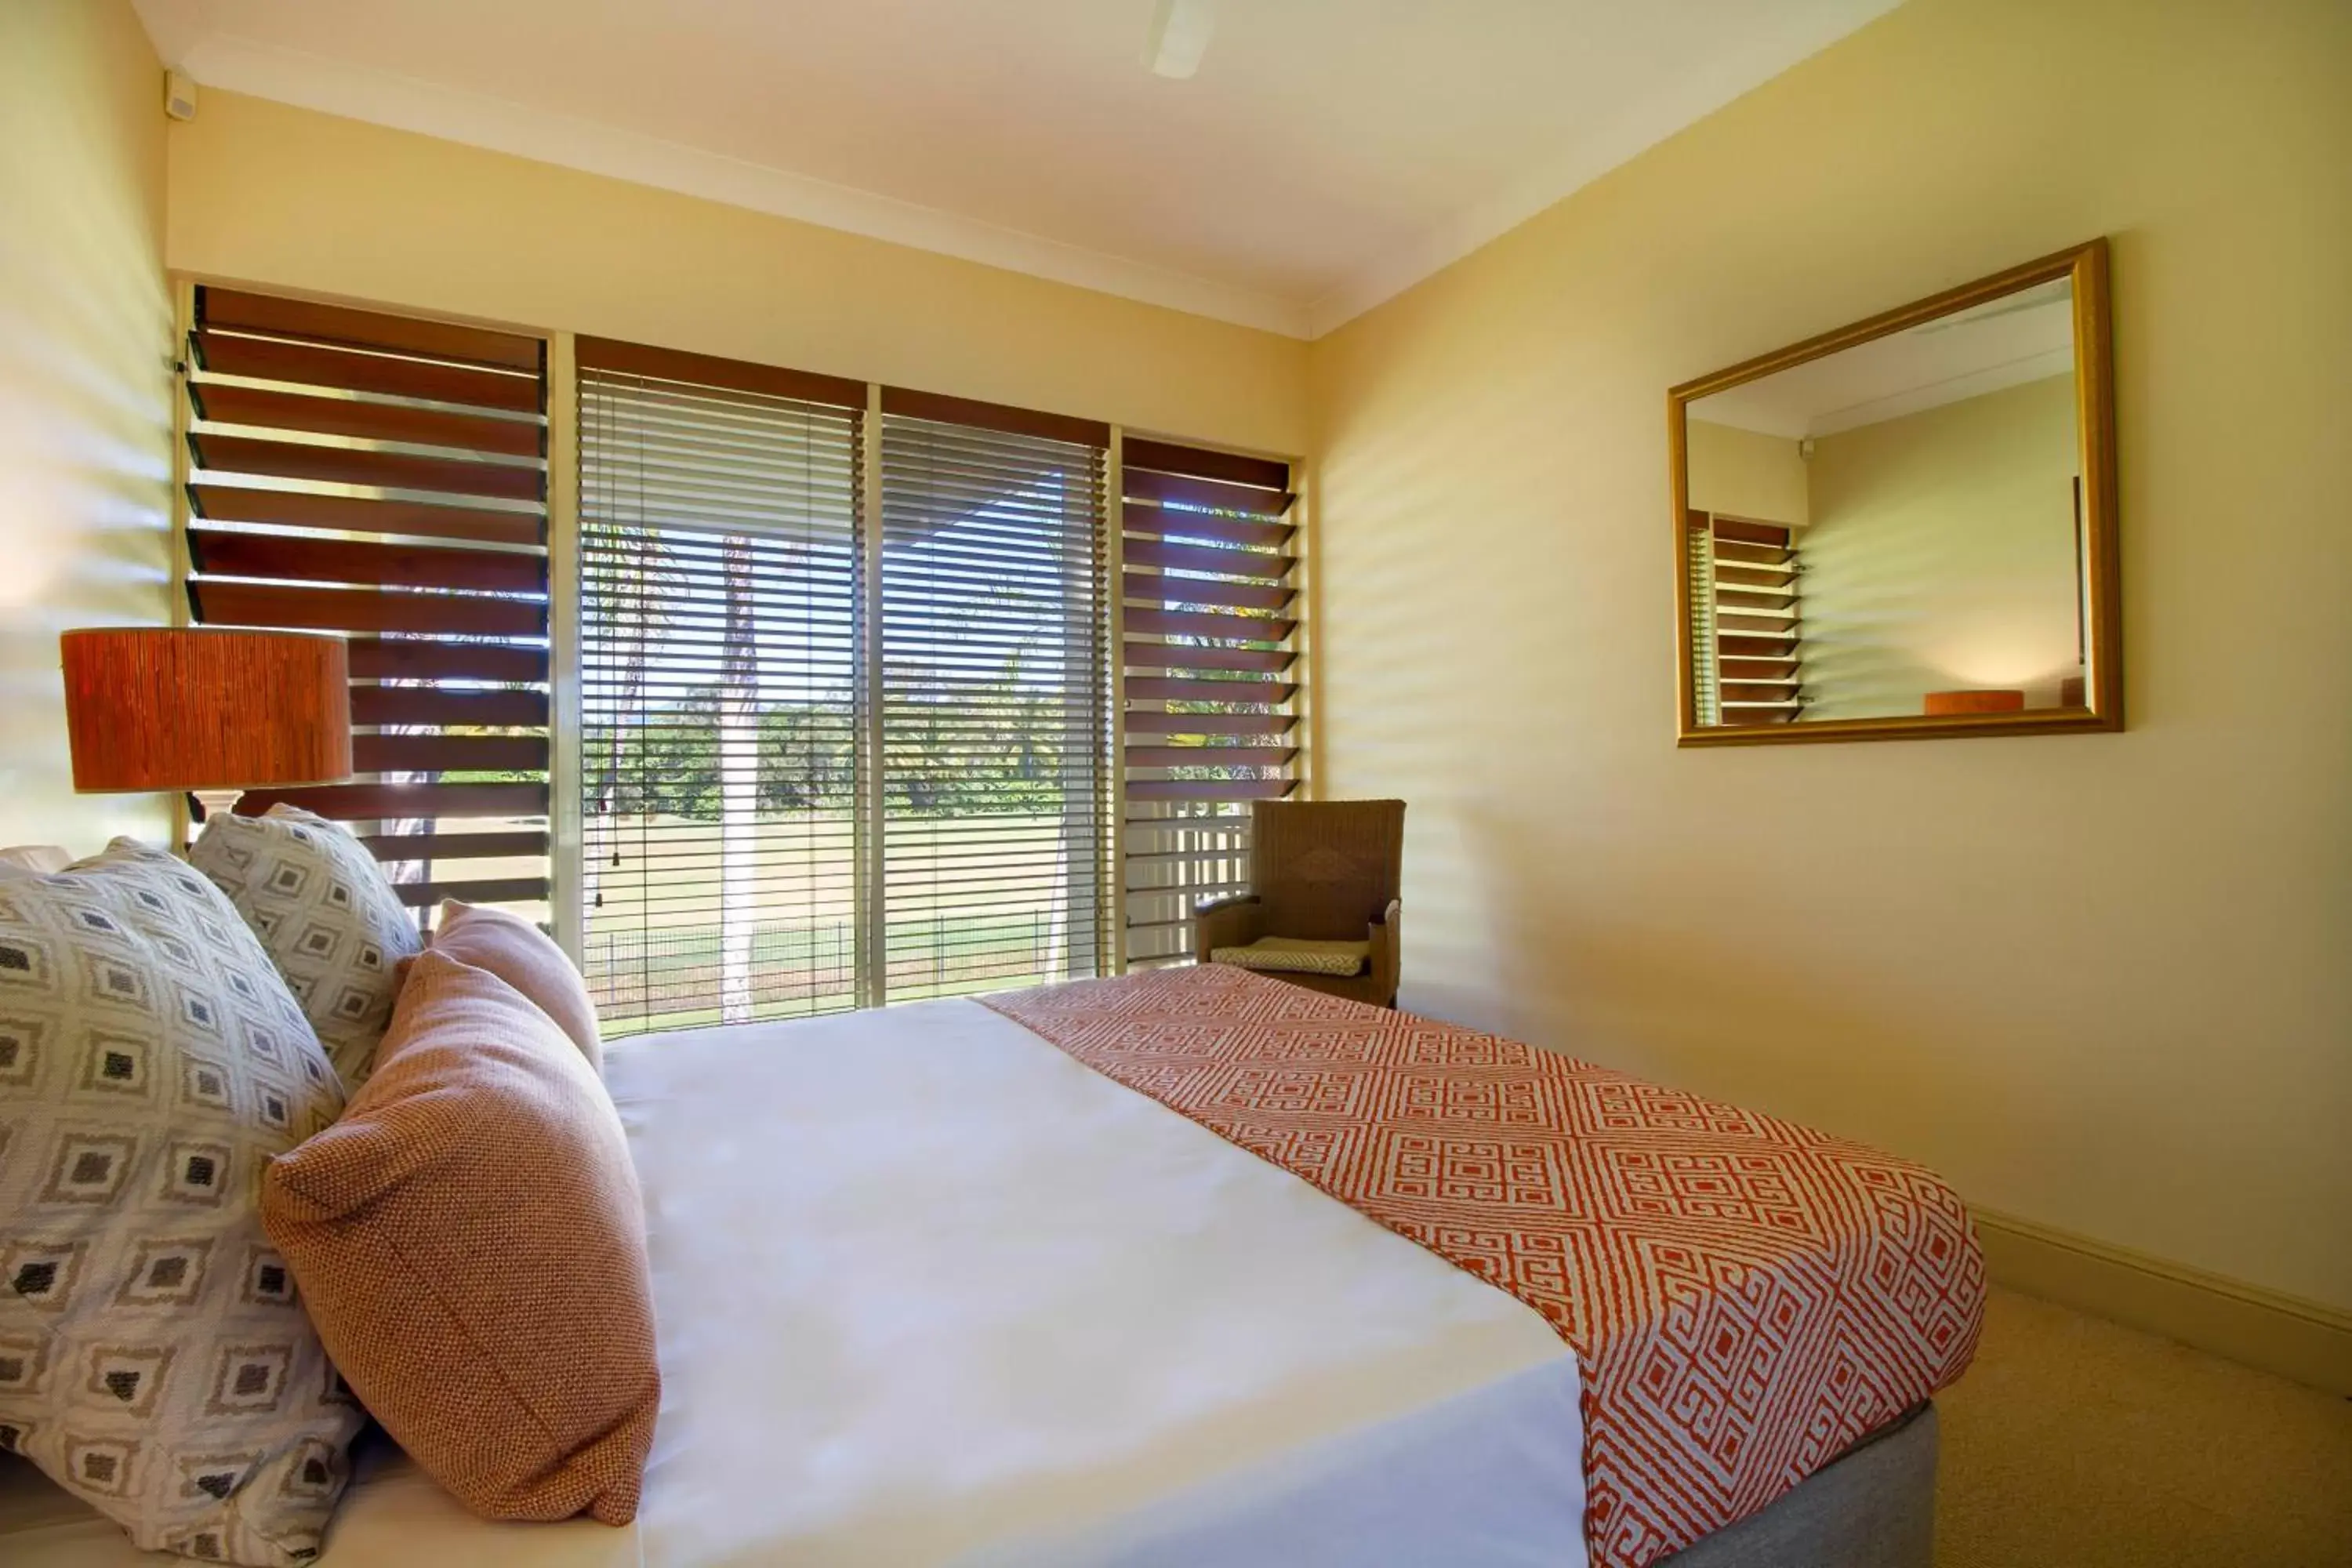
[1874, 1507]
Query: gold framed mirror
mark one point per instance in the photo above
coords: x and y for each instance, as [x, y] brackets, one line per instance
[1906, 527]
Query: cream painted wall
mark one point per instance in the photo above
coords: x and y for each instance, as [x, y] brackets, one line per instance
[1747, 474]
[1942, 554]
[2104, 981]
[85, 386]
[266, 194]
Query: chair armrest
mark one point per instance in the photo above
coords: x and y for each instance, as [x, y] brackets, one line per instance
[1226, 923]
[1387, 957]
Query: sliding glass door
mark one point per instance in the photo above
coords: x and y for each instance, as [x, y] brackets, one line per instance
[717, 680]
[836, 749]
[995, 718]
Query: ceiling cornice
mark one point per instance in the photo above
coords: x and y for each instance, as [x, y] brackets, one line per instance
[404, 104]
[384, 97]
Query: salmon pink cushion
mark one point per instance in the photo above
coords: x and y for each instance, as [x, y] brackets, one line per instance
[470, 1243]
[526, 958]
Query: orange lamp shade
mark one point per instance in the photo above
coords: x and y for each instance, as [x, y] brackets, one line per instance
[1988, 702]
[159, 707]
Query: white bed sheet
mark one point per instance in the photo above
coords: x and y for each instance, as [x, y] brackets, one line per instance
[931, 1292]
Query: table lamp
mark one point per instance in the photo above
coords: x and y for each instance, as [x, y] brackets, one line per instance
[212, 711]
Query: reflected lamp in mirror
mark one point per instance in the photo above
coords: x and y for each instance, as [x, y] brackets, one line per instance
[212, 711]
[1906, 528]
[1993, 701]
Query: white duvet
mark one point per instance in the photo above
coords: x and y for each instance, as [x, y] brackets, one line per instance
[929, 1291]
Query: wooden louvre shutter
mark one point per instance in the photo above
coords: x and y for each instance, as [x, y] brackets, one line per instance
[1208, 677]
[1744, 622]
[719, 691]
[385, 477]
[995, 724]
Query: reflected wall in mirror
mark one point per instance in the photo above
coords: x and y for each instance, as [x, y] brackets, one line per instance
[1906, 527]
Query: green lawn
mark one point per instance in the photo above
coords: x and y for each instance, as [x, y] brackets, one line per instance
[963, 921]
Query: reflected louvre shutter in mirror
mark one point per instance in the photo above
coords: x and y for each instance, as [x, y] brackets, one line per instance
[719, 566]
[1209, 678]
[385, 477]
[994, 784]
[1745, 623]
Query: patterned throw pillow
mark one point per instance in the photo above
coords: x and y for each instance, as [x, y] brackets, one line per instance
[153, 1358]
[326, 914]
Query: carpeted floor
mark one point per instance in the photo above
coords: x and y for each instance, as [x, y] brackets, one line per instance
[2072, 1443]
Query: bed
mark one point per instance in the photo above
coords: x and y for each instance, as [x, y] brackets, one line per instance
[1057, 1278]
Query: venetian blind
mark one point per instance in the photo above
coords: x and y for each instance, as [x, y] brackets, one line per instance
[719, 672]
[1744, 616]
[993, 682]
[1207, 678]
[385, 477]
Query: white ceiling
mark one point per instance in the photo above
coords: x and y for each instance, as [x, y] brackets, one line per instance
[1328, 153]
[2021, 337]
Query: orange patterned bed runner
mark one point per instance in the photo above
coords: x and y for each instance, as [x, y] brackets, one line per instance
[1747, 1296]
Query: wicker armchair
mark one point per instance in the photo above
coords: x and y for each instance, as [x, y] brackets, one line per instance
[1323, 870]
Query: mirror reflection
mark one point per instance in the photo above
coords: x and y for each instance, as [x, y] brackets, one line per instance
[1895, 529]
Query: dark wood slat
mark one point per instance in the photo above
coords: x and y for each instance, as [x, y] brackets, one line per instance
[1740, 692]
[1741, 599]
[448, 753]
[362, 610]
[1203, 558]
[1208, 623]
[1757, 576]
[1743, 717]
[374, 658]
[1158, 588]
[1165, 689]
[217, 503]
[942, 409]
[1141, 722]
[1208, 789]
[1752, 647]
[255, 406]
[387, 802]
[1745, 533]
[1142, 517]
[1729, 669]
[1177, 655]
[1200, 463]
[269, 360]
[1760, 624]
[454, 846]
[425, 705]
[707, 370]
[340, 324]
[1210, 757]
[358, 466]
[1143, 484]
[500, 891]
[232, 552]
[1753, 555]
